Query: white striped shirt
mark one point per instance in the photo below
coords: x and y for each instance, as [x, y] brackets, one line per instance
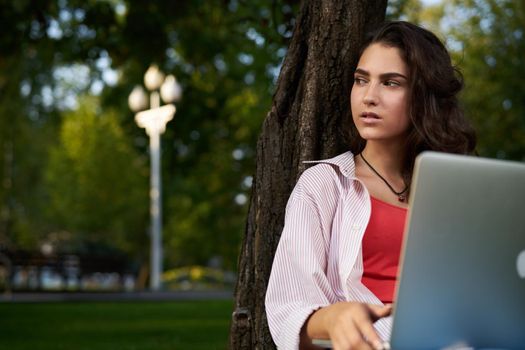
[318, 261]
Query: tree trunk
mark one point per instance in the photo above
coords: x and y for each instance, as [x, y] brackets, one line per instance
[309, 106]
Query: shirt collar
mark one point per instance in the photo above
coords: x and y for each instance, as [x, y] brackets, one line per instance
[345, 163]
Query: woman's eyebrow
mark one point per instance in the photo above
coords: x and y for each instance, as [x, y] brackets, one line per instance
[383, 76]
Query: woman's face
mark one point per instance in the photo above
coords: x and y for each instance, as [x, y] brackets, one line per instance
[379, 95]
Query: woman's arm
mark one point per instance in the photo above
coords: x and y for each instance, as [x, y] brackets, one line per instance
[349, 325]
[298, 283]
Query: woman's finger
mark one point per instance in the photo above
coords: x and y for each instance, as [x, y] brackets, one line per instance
[349, 338]
[379, 311]
[365, 327]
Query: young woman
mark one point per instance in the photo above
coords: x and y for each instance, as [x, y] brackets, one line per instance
[335, 268]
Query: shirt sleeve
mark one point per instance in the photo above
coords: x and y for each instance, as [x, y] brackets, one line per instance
[298, 282]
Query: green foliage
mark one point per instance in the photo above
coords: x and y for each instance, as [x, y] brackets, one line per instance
[406, 10]
[486, 39]
[225, 54]
[490, 40]
[97, 183]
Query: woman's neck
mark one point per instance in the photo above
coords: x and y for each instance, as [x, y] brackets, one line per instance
[387, 159]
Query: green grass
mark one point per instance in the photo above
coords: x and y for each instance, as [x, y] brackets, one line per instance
[116, 325]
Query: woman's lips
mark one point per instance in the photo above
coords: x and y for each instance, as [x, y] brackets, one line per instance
[370, 117]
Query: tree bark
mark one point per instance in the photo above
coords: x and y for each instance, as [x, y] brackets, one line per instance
[310, 105]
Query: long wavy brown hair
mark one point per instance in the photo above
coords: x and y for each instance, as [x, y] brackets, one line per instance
[437, 120]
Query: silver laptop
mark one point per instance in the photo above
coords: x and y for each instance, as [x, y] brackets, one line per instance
[462, 277]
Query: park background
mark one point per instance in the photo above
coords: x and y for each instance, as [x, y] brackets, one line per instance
[74, 166]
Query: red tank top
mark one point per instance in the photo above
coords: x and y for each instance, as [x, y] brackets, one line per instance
[381, 248]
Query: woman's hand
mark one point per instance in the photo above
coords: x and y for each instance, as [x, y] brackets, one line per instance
[349, 325]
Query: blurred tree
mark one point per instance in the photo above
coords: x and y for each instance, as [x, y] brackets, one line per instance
[485, 38]
[304, 123]
[21, 131]
[488, 39]
[406, 10]
[229, 67]
[32, 94]
[225, 54]
[97, 183]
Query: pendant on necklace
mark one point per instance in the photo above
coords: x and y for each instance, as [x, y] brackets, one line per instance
[402, 198]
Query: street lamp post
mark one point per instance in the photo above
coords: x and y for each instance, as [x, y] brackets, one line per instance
[154, 120]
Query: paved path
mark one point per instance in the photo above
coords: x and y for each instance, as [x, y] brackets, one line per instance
[106, 296]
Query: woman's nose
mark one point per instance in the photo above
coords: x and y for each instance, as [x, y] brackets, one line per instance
[370, 97]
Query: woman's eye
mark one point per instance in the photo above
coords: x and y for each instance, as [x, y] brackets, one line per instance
[391, 83]
[359, 81]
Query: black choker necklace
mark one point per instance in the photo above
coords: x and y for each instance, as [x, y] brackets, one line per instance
[401, 196]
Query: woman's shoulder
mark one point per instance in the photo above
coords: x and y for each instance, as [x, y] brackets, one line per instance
[342, 164]
[327, 174]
